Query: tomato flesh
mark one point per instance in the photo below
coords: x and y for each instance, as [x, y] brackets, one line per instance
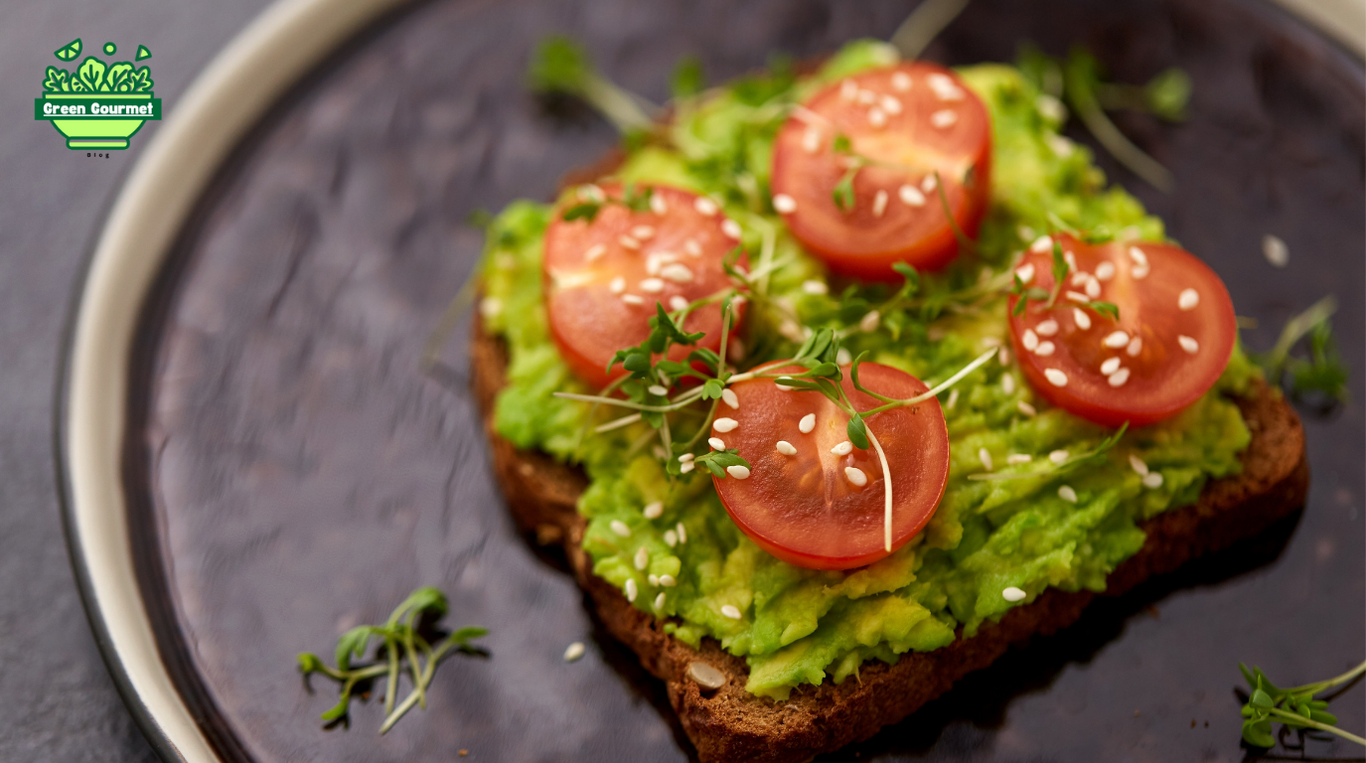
[803, 508]
[911, 120]
[603, 278]
[1165, 351]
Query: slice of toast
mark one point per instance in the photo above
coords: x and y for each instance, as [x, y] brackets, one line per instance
[729, 724]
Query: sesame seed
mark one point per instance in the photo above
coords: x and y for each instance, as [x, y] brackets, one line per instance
[654, 580]
[490, 307]
[1275, 251]
[953, 399]
[1026, 408]
[1138, 464]
[632, 299]
[890, 104]
[1050, 107]
[619, 527]
[731, 228]
[1015, 459]
[877, 117]
[911, 196]
[738, 472]
[656, 389]
[1067, 494]
[1115, 340]
[574, 651]
[1188, 344]
[1188, 299]
[984, 456]
[692, 247]
[705, 206]
[1025, 272]
[642, 559]
[631, 590]
[1077, 296]
[657, 204]
[659, 600]
[682, 533]
[929, 184]
[1003, 356]
[591, 192]
[944, 118]
[1082, 320]
[1008, 384]
[811, 141]
[1047, 328]
[991, 341]
[855, 476]
[879, 203]
[843, 449]
[685, 457]
[848, 90]
[716, 443]
[1013, 594]
[867, 97]
[1135, 347]
[1041, 244]
[729, 397]
[724, 425]
[731, 611]
[1141, 267]
[628, 242]
[1079, 278]
[1105, 271]
[677, 272]
[843, 356]
[1092, 286]
[677, 302]
[1030, 340]
[1118, 378]
[901, 82]
[595, 251]
[1045, 349]
[1060, 145]
[870, 321]
[807, 423]
[654, 510]
[687, 466]
[1152, 480]
[1058, 456]
[642, 233]
[943, 87]
[666, 579]
[617, 285]
[815, 287]
[652, 285]
[784, 204]
[1055, 377]
[670, 538]
[786, 448]
[1109, 366]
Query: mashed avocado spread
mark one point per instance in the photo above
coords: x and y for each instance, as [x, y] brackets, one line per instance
[798, 625]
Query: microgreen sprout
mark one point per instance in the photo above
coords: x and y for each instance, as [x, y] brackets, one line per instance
[1323, 373]
[1049, 298]
[1294, 708]
[632, 198]
[923, 25]
[403, 640]
[1092, 456]
[560, 65]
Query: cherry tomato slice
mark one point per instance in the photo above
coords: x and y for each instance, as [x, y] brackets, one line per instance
[604, 277]
[803, 506]
[907, 121]
[1174, 336]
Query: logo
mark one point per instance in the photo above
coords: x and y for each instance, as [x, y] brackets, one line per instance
[98, 105]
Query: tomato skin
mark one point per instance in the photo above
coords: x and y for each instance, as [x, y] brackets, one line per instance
[1164, 377]
[861, 242]
[588, 320]
[802, 508]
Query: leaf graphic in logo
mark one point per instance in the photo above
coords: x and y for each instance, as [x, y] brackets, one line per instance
[56, 80]
[119, 78]
[90, 75]
[140, 81]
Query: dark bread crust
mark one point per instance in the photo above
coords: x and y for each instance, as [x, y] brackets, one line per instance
[731, 724]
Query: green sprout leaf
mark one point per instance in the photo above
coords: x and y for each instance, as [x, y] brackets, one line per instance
[586, 211]
[560, 65]
[1294, 707]
[857, 431]
[843, 193]
[688, 78]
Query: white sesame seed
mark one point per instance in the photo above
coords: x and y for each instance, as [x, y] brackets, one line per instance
[1026, 408]
[1141, 267]
[944, 118]
[654, 580]
[848, 90]
[670, 538]
[1115, 340]
[656, 389]
[1152, 480]
[724, 425]
[677, 272]
[1138, 464]
[953, 399]
[619, 527]
[685, 457]
[716, 443]
[1105, 271]
[1047, 328]
[1109, 366]
[1079, 278]
[738, 472]
[1135, 347]
[628, 242]
[617, 285]
[784, 204]
[1025, 272]
[811, 141]
[731, 611]
[677, 302]
[1003, 356]
[877, 117]
[631, 590]
[490, 307]
[1055, 377]
[666, 579]
[901, 82]
[1092, 287]
[943, 87]
[1118, 378]
[642, 559]
[682, 533]
[1058, 456]
[1188, 344]
[786, 448]
[705, 206]
[731, 228]
[911, 196]
[633, 299]
[1067, 494]
[984, 456]
[657, 204]
[590, 192]
[729, 397]
[879, 203]
[595, 251]
[1050, 107]
[1060, 145]
[642, 233]
[867, 97]
[1030, 340]
[1077, 296]
[651, 285]
[574, 651]
[843, 449]
[1275, 251]
[1008, 384]
[1041, 244]
[855, 476]
[654, 510]
[870, 321]
[659, 601]
[843, 357]
[687, 466]
[890, 104]
[1045, 349]
[815, 287]
[1082, 320]
[807, 423]
[1015, 459]
[692, 247]
[1012, 593]
[929, 184]
[1188, 299]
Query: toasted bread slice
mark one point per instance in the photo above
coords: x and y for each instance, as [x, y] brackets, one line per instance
[730, 724]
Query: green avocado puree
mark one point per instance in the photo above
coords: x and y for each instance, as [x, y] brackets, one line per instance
[801, 626]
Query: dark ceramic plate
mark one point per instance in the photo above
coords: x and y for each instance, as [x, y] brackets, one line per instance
[289, 472]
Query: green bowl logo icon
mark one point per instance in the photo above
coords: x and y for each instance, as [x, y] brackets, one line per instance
[98, 105]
